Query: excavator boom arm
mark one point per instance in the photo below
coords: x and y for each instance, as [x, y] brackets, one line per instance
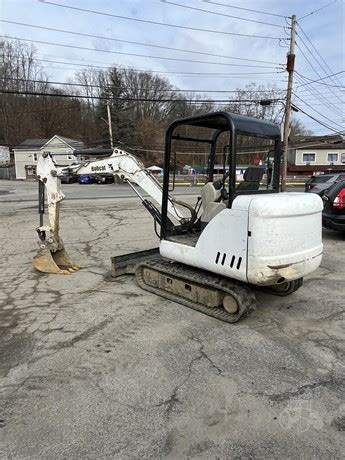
[52, 257]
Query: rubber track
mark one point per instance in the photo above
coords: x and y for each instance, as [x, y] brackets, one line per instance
[242, 293]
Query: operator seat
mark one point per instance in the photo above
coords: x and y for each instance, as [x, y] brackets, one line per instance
[210, 198]
[251, 179]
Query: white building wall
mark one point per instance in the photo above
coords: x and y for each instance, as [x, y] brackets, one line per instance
[22, 158]
[321, 157]
[63, 154]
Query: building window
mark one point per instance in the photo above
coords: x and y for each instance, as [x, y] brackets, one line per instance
[332, 157]
[30, 171]
[308, 157]
[343, 157]
[34, 156]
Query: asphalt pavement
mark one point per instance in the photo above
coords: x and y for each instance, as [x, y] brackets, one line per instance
[92, 367]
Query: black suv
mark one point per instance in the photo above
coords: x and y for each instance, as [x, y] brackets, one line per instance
[333, 215]
[318, 184]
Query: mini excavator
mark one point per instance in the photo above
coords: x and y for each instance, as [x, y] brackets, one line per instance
[238, 236]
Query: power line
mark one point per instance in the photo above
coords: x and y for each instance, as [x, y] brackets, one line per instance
[323, 78]
[305, 57]
[91, 85]
[140, 70]
[221, 14]
[314, 90]
[316, 93]
[316, 60]
[311, 97]
[319, 9]
[332, 107]
[305, 85]
[128, 18]
[137, 55]
[135, 43]
[318, 121]
[314, 98]
[317, 104]
[200, 75]
[131, 99]
[108, 66]
[319, 113]
[317, 52]
[246, 9]
[191, 74]
[324, 97]
[311, 82]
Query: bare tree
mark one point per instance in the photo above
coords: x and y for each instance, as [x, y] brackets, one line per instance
[19, 72]
[297, 128]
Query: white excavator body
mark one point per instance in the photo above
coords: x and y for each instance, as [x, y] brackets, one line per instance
[236, 235]
[262, 239]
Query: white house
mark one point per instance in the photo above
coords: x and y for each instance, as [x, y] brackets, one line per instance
[315, 154]
[27, 153]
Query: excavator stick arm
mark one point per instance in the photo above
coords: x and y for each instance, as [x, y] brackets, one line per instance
[52, 256]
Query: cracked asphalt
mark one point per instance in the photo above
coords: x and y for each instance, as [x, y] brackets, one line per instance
[96, 368]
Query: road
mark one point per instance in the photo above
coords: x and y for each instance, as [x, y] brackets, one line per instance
[96, 368]
[25, 191]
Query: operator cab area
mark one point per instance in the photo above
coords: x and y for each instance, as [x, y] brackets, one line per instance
[241, 156]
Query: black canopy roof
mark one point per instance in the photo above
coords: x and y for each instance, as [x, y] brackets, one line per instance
[224, 121]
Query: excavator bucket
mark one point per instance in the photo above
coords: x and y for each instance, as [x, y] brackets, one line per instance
[62, 260]
[57, 262]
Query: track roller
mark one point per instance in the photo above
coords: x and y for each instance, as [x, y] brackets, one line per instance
[215, 296]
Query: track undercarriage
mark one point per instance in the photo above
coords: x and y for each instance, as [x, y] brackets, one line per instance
[220, 297]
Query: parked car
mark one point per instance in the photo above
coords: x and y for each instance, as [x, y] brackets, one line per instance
[318, 184]
[69, 179]
[104, 179]
[84, 179]
[333, 215]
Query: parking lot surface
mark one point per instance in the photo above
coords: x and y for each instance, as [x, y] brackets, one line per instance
[96, 368]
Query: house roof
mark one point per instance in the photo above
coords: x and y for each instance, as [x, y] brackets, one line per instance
[72, 142]
[315, 168]
[333, 142]
[34, 144]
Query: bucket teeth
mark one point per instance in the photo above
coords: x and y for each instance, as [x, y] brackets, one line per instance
[56, 263]
[61, 258]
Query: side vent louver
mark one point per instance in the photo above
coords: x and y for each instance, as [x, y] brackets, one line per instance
[232, 262]
[239, 263]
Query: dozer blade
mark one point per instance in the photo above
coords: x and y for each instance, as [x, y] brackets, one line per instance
[56, 263]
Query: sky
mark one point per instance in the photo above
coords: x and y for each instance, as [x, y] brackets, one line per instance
[324, 51]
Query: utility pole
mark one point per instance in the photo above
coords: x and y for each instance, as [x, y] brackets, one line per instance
[290, 65]
[110, 127]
